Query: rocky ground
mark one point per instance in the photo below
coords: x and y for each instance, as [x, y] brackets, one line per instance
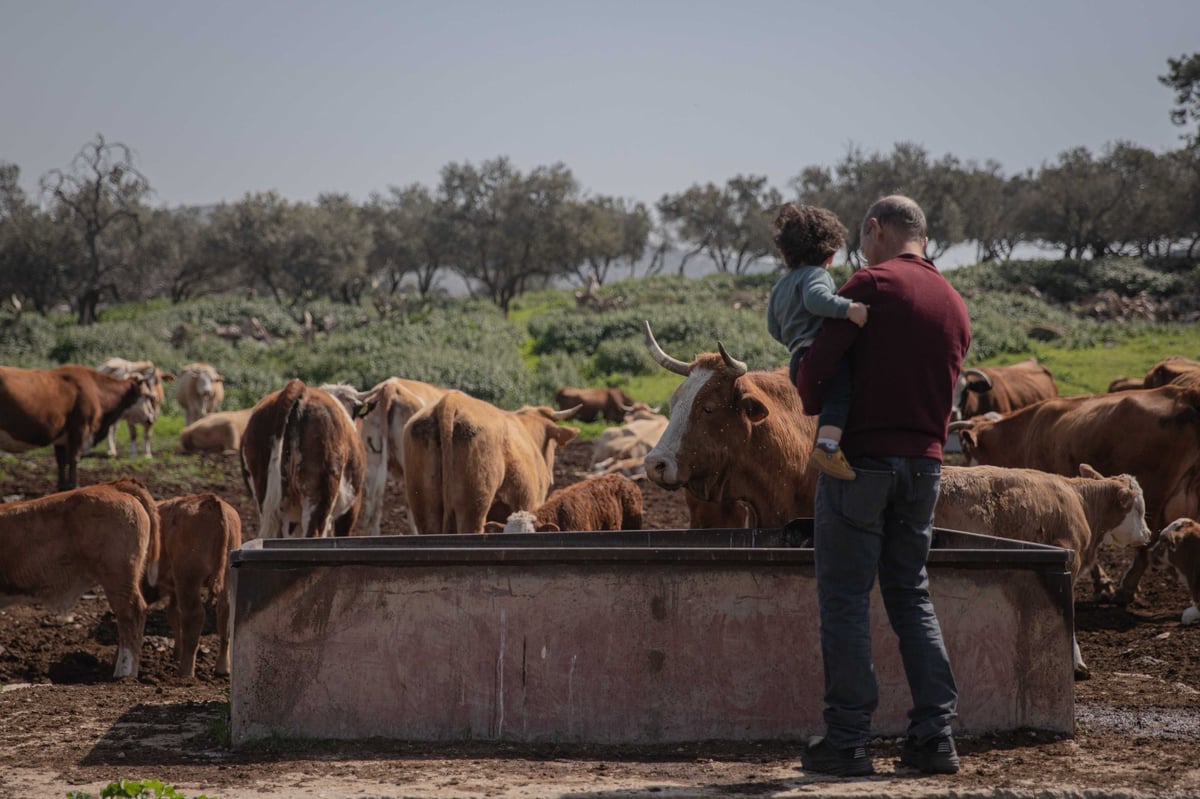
[66, 725]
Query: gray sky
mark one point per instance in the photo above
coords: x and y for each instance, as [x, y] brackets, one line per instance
[639, 99]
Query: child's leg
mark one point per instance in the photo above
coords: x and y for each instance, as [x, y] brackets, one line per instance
[835, 408]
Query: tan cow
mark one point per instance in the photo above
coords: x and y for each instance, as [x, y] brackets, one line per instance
[1001, 389]
[631, 441]
[737, 439]
[594, 403]
[467, 461]
[612, 502]
[303, 463]
[199, 390]
[1078, 513]
[145, 411]
[69, 407]
[198, 532]
[59, 546]
[391, 404]
[1150, 434]
[1178, 547]
[216, 432]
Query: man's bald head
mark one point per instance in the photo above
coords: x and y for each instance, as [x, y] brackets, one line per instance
[900, 213]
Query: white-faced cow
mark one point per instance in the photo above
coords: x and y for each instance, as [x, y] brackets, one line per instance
[70, 407]
[467, 462]
[1151, 434]
[1079, 513]
[612, 502]
[593, 403]
[199, 390]
[59, 546]
[303, 463]
[145, 411]
[198, 533]
[217, 432]
[1178, 548]
[391, 404]
[737, 440]
[1001, 389]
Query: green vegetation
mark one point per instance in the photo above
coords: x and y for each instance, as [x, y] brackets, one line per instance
[136, 789]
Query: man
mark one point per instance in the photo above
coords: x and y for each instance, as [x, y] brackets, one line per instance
[903, 368]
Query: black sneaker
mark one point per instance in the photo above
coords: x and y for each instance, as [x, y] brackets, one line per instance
[935, 756]
[825, 758]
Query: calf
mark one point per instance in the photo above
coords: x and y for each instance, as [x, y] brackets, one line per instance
[1078, 513]
[303, 463]
[1178, 546]
[59, 546]
[216, 432]
[611, 502]
[145, 411]
[198, 532]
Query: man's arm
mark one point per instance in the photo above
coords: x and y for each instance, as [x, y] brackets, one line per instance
[833, 341]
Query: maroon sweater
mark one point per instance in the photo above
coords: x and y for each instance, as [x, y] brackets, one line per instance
[904, 362]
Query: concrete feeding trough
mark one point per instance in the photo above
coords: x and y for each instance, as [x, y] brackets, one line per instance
[633, 637]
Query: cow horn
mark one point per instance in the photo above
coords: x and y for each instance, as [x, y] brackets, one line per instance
[738, 367]
[978, 373]
[558, 416]
[665, 361]
[965, 424]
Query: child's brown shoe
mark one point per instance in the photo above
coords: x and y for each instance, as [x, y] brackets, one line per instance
[832, 463]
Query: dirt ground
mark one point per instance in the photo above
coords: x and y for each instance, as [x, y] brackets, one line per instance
[66, 725]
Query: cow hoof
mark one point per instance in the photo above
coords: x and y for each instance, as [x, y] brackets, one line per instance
[1122, 598]
[1082, 673]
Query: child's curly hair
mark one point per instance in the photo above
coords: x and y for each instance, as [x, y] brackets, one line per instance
[807, 235]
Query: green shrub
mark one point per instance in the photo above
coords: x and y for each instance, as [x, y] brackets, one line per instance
[136, 789]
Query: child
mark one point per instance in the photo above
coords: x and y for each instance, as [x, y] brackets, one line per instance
[807, 238]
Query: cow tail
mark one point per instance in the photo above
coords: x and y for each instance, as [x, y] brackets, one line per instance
[446, 441]
[216, 580]
[138, 491]
[290, 441]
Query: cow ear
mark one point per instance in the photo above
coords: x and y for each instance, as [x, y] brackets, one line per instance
[753, 408]
[366, 407]
[167, 377]
[966, 438]
[1085, 470]
[978, 386]
[563, 434]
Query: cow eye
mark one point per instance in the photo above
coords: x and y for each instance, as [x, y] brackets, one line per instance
[708, 409]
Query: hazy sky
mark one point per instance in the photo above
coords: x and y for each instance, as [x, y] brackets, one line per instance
[638, 98]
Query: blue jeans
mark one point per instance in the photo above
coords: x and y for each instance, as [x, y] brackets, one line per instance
[880, 523]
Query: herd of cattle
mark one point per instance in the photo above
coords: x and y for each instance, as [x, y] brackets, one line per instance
[1122, 467]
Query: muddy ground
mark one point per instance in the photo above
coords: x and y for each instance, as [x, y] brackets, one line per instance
[66, 725]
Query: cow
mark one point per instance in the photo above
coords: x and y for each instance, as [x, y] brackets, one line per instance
[467, 462]
[611, 403]
[392, 403]
[59, 546]
[1001, 389]
[630, 441]
[1151, 434]
[1174, 370]
[1178, 547]
[199, 390]
[612, 502]
[217, 432]
[1079, 513]
[70, 407]
[145, 411]
[303, 463]
[737, 439]
[198, 532]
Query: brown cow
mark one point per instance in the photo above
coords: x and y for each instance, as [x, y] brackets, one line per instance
[611, 502]
[467, 461]
[735, 435]
[610, 403]
[1078, 513]
[59, 546]
[1150, 434]
[1178, 547]
[303, 462]
[1174, 370]
[198, 533]
[391, 404]
[1001, 389]
[1125, 384]
[145, 411]
[199, 390]
[70, 407]
[216, 432]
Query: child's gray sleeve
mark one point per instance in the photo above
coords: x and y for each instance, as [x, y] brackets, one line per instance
[820, 296]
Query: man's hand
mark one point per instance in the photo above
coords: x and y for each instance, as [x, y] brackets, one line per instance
[857, 313]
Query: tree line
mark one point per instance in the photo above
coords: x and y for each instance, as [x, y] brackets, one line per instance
[92, 236]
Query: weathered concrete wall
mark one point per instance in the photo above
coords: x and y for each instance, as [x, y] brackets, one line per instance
[610, 652]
